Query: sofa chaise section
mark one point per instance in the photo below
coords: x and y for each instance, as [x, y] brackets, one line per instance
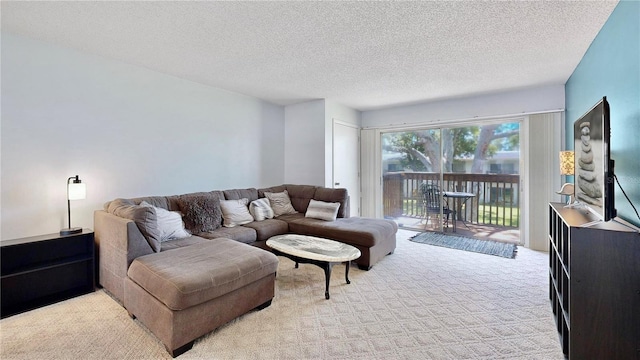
[182, 294]
[375, 238]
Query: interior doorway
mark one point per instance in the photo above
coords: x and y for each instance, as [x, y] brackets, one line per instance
[462, 178]
[346, 162]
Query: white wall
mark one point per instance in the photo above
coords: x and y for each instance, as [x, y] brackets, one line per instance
[309, 140]
[343, 113]
[336, 111]
[127, 131]
[305, 143]
[506, 104]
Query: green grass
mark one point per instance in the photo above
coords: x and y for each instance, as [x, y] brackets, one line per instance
[499, 215]
[487, 214]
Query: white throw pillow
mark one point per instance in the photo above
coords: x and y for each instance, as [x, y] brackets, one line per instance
[322, 210]
[280, 203]
[261, 209]
[169, 223]
[235, 212]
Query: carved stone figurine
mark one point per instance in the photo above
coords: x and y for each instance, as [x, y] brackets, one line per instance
[588, 181]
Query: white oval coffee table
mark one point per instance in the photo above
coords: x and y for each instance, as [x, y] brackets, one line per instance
[321, 252]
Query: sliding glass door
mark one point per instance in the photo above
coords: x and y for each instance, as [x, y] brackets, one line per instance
[412, 178]
[463, 179]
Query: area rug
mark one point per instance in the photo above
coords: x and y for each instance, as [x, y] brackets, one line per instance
[467, 244]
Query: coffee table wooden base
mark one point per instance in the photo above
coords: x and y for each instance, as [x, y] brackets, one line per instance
[325, 265]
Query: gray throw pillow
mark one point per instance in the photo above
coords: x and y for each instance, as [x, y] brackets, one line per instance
[201, 213]
[145, 218]
[280, 203]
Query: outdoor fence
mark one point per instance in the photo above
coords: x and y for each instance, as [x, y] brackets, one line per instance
[496, 200]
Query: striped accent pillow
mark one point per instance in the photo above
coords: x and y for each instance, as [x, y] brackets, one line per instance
[261, 209]
[322, 210]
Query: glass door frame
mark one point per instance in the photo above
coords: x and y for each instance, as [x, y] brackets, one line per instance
[523, 139]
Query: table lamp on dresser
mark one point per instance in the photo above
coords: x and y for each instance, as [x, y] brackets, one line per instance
[567, 168]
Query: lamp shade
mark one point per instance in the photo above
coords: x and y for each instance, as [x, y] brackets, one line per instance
[77, 191]
[566, 163]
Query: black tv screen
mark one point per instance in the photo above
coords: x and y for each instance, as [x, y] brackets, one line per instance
[593, 171]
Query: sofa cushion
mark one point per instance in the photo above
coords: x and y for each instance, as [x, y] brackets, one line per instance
[239, 233]
[145, 218]
[280, 203]
[273, 189]
[178, 243]
[201, 213]
[157, 201]
[191, 275]
[335, 195]
[291, 217]
[268, 228]
[235, 212]
[236, 194]
[300, 196]
[356, 230]
[261, 209]
[322, 210]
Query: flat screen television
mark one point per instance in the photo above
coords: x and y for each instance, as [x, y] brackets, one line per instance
[593, 172]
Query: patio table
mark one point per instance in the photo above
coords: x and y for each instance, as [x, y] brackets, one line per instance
[459, 198]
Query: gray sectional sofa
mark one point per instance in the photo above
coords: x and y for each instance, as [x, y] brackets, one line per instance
[185, 285]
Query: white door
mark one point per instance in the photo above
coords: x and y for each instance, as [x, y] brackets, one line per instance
[346, 162]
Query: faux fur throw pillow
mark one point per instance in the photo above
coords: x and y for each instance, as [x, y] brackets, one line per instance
[200, 213]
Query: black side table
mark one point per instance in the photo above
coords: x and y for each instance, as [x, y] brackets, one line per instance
[41, 270]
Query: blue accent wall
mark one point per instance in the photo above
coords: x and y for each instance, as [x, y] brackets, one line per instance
[611, 68]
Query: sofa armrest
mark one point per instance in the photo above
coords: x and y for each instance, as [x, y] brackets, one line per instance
[118, 243]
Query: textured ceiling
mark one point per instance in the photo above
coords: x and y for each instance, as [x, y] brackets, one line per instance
[365, 55]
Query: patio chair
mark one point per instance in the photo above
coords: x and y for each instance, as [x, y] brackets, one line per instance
[431, 204]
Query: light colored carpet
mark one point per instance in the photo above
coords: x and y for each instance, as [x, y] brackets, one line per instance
[422, 302]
